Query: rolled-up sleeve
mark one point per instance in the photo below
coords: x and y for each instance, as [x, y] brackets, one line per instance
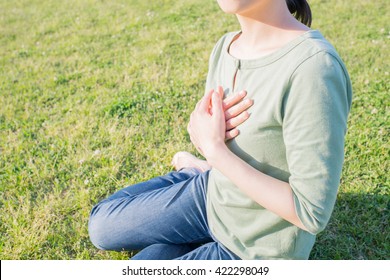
[315, 112]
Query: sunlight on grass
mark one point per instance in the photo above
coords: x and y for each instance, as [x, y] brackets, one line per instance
[96, 95]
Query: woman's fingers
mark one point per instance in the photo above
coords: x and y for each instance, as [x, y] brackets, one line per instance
[233, 109]
[204, 103]
[237, 109]
[237, 120]
[217, 103]
[233, 99]
[230, 134]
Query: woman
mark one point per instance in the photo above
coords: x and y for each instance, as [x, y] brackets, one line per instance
[266, 192]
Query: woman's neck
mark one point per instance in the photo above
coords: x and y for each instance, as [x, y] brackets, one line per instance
[264, 33]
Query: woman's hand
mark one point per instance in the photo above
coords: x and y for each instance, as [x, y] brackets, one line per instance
[235, 108]
[207, 126]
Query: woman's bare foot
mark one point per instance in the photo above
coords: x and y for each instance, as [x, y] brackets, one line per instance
[186, 160]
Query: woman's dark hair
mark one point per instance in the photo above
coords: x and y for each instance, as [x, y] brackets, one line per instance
[301, 10]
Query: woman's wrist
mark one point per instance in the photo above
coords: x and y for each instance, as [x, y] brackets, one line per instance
[216, 153]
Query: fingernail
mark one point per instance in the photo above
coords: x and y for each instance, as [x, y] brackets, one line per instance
[242, 93]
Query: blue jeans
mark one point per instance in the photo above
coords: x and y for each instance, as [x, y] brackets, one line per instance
[164, 217]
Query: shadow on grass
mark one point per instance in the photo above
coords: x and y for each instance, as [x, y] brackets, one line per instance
[359, 229]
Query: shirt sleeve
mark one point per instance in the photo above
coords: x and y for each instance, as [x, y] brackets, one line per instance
[315, 112]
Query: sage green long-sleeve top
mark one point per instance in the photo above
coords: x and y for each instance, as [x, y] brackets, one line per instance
[302, 96]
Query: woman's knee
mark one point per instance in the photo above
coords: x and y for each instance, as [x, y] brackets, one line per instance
[97, 228]
[110, 229]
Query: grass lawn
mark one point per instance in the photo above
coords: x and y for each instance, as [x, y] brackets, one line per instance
[96, 95]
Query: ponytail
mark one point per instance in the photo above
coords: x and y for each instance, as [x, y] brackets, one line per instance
[301, 10]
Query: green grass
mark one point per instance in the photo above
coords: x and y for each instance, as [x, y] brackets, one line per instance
[95, 95]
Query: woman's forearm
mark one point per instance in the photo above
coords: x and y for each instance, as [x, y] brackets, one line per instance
[207, 131]
[273, 194]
